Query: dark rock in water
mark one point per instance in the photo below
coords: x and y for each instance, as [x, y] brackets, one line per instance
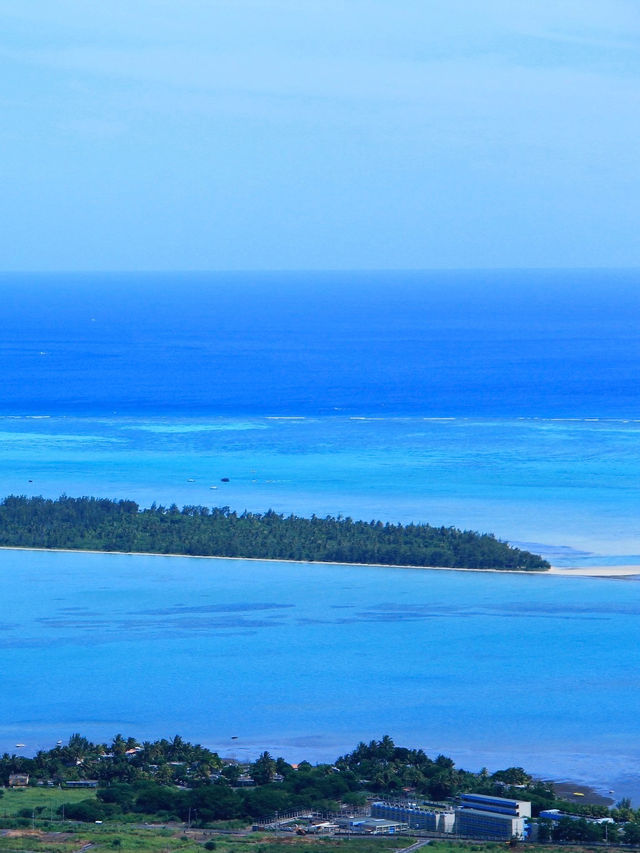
[224, 479]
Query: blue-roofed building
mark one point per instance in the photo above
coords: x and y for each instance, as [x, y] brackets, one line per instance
[495, 818]
[501, 805]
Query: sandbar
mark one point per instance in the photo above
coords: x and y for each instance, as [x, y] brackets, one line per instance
[595, 571]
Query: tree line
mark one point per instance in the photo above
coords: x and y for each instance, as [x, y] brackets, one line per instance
[172, 779]
[89, 523]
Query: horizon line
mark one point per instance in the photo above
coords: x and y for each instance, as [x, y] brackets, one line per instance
[307, 270]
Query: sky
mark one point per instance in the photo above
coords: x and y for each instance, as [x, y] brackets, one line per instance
[319, 134]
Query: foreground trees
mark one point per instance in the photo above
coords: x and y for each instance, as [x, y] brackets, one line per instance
[176, 780]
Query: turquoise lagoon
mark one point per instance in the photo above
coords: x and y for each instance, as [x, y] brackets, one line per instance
[306, 660]
[569, 489]
[497, 401]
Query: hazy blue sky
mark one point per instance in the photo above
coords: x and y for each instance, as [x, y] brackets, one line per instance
[221, 134]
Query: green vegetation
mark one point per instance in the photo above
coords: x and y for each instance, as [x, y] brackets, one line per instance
[44, 802]
[106, 525]
[173, 784]
[173, 780]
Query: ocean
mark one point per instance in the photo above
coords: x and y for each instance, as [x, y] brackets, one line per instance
[467, 344]
[497, 401]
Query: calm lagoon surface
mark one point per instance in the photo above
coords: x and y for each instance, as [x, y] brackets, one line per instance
[504, 402]
[306, 660]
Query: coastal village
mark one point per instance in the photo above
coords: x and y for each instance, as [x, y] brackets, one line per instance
[475, 816]
[176, 784]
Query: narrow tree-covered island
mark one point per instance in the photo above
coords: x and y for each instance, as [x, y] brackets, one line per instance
[100, 524]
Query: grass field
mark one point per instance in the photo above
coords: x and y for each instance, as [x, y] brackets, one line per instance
[47, 799]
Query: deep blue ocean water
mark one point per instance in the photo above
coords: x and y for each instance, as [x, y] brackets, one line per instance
[504, 402]
[492, 344]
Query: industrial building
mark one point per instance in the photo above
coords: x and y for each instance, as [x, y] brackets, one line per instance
[377, 826]
[416, 816]
[495, 818]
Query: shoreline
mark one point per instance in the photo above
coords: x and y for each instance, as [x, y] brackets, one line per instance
[583, 793]
[555, 571]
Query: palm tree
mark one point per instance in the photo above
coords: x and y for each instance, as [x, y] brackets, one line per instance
[78, 748]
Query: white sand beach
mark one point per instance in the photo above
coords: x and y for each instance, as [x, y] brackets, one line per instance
[578, 571]
[596, 571]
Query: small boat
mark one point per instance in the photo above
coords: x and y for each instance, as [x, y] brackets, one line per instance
[224, 479]
[19, 745]
[59, 742]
